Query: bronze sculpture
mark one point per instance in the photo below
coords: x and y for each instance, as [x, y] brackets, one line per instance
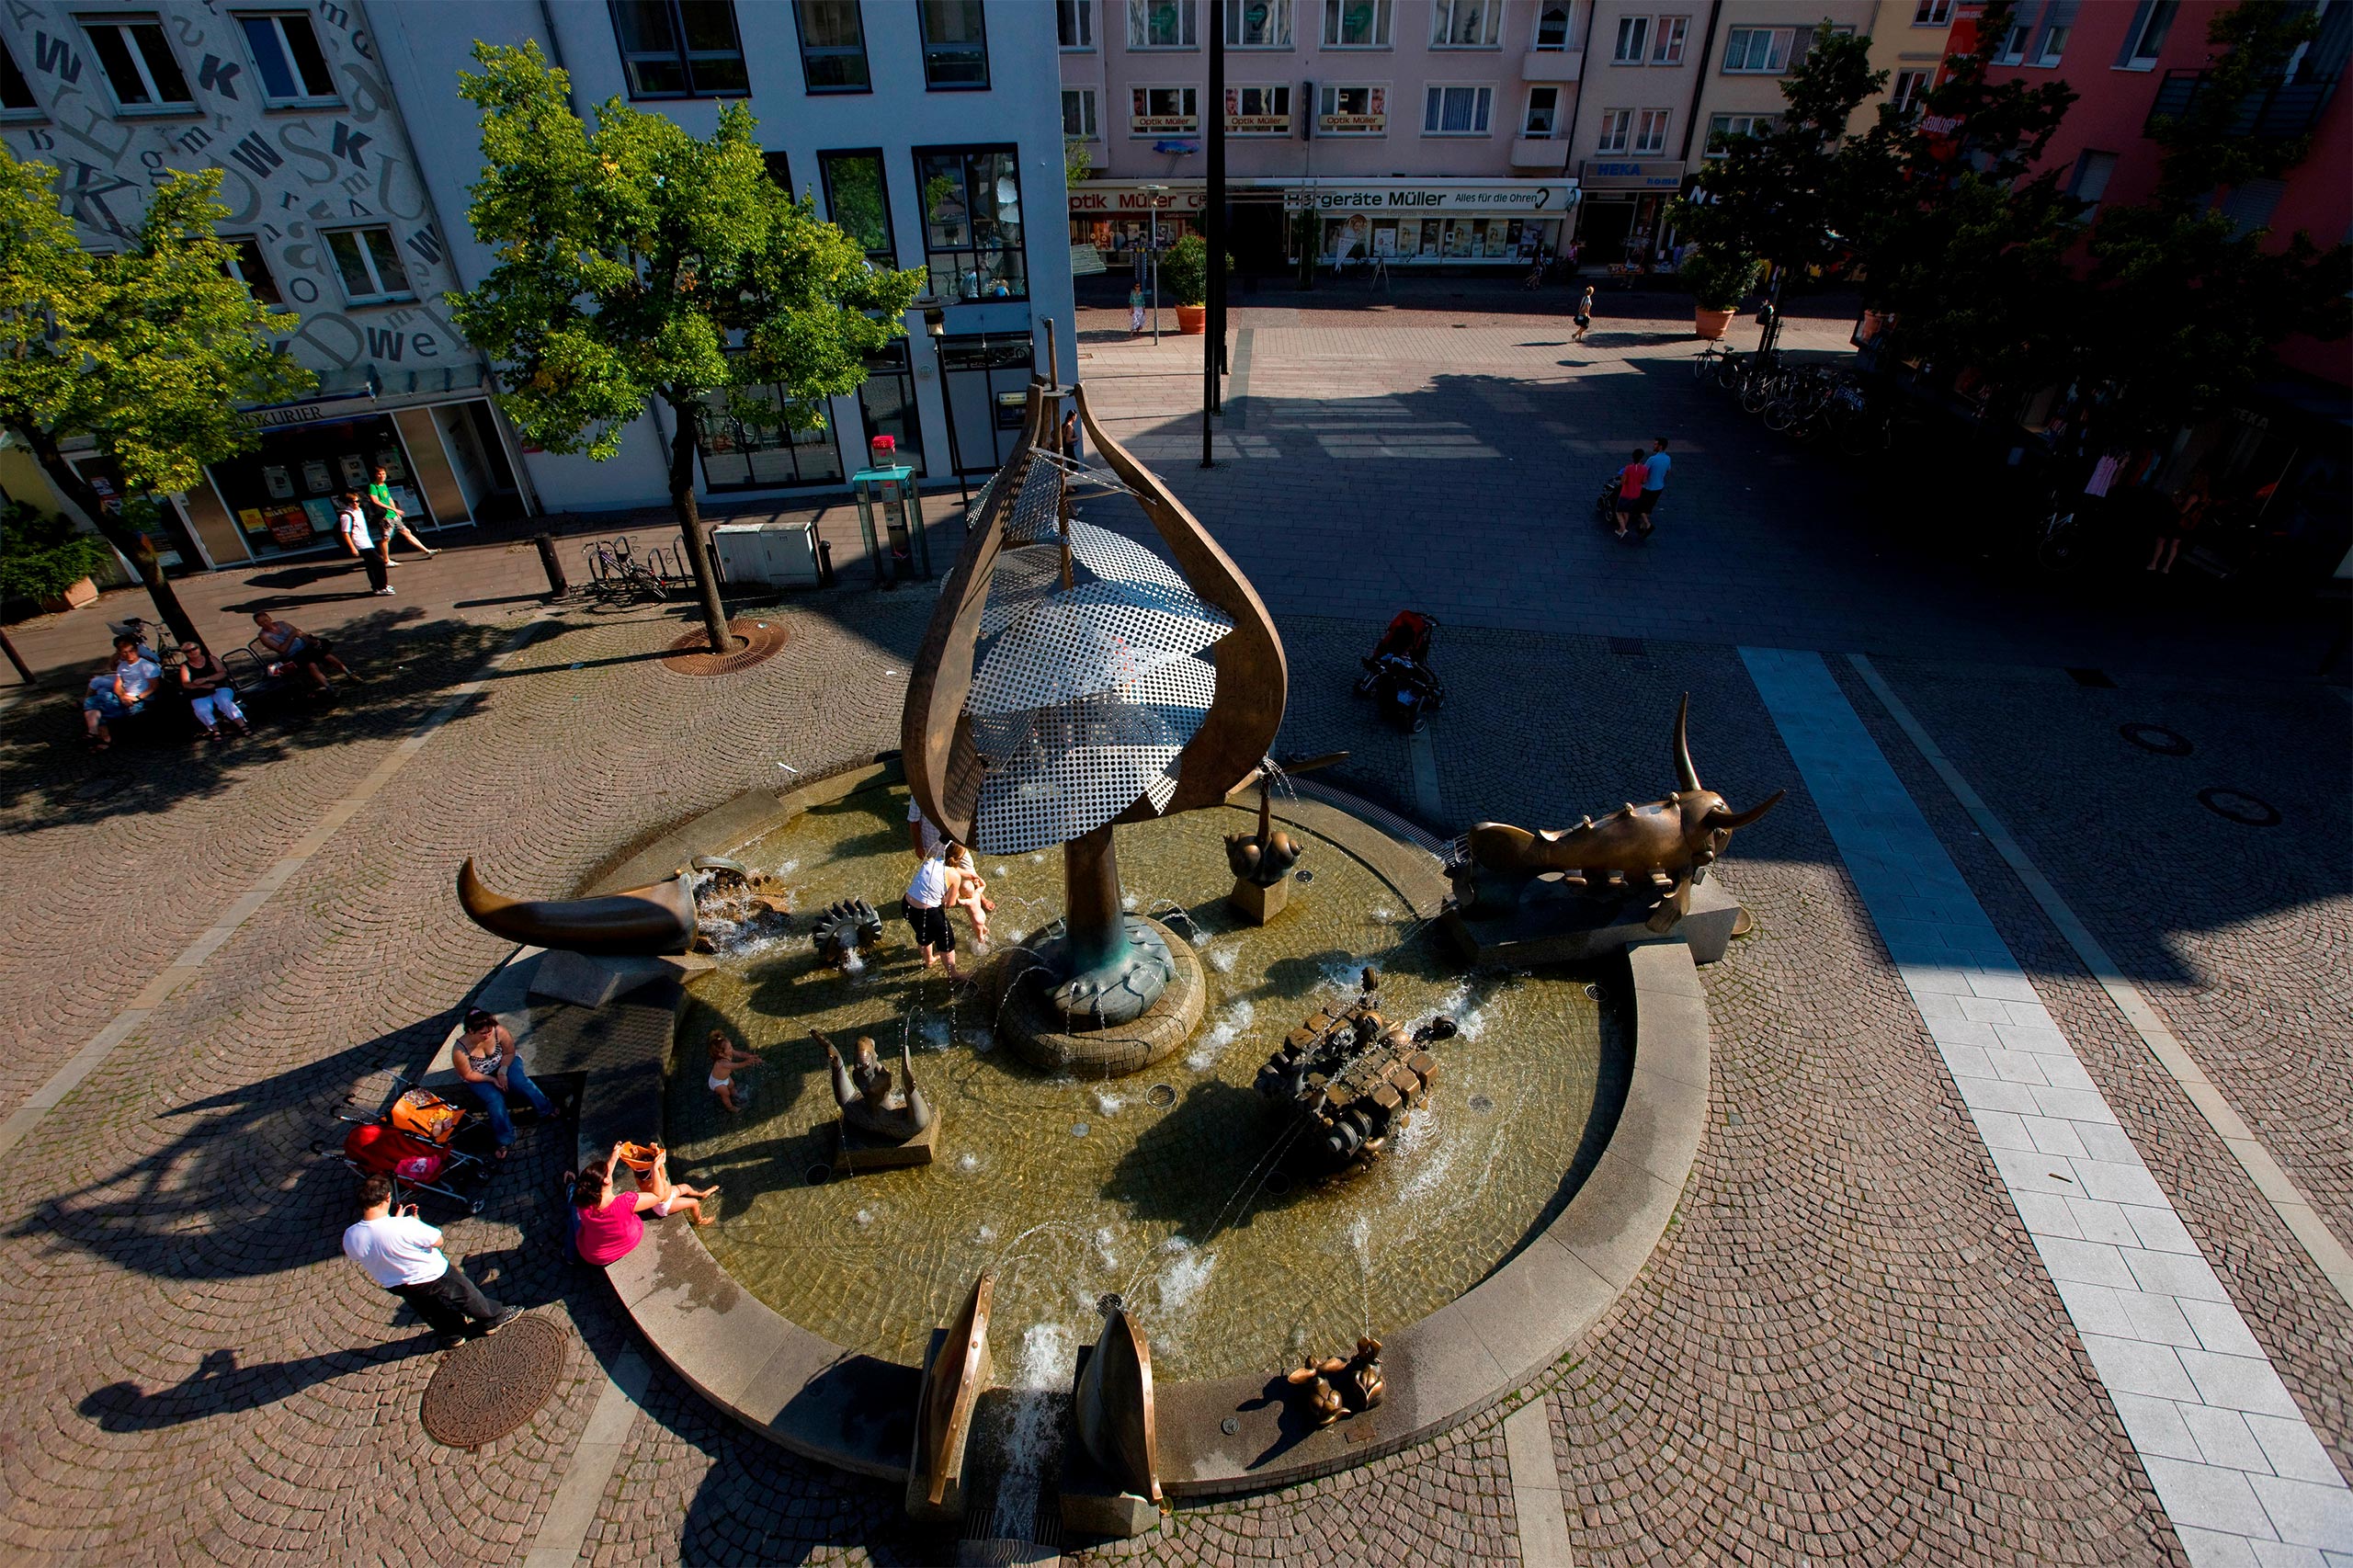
[1262, 861]
[953, 1378]
[655, 920]
[865, 1096]
[1350, 1078]
[1113, 1408]
[1336, 1386]
[845, 930]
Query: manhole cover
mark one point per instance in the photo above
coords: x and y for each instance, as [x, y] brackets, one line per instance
[817, 1174]
[692, 656]
[2240, 807]
[487, 1388]
[2155, 738]
[1593, 992]
[1160, 1096]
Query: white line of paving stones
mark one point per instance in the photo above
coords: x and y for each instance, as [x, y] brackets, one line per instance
[563, 1533]
[192, 958]
[1536, 1498]
[2234, 1461]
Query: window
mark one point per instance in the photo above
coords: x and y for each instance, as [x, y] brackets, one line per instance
[1722, 127]
[748, 446]
[248, 266]
[1457, 111]
[1633, 38]
[1078, 113]
[1666, 45]
[1155, 111]
[857, 199]
[833, 46]
[1257, 24]
[368, 264]
[1764, 50]
[1650, 131]
[2249, 206]
[971, 222]
[1910, 87]
[680, 49]
[1258, 111]
[955, 45]
[1161, 24]
[2147, 39]
[2013, 45]
[1465, 24]
[1552, 26]
[286, 52]
[1075, 23]
[138, 62]
[2058, 22]
[1932, 13]
[16, 93]
[779, 169]
[1354, 112]
[1543, 113]
[1615, 124]
[1356, 24]
[2089, 182]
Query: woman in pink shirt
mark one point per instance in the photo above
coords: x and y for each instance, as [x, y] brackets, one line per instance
[1630, 488]
[608, 1223]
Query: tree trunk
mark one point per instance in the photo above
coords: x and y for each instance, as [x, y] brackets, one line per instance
[115, 529]
[690, 529]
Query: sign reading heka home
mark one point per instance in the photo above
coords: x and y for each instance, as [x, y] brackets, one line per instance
[1630, 174]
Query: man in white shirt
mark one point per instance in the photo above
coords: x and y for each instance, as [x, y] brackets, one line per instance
[403, 1254]
[351, 521]
[120, 692]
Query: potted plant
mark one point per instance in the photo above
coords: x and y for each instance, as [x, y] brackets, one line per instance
[48, 559]
[1718, 280]
[1185, 272]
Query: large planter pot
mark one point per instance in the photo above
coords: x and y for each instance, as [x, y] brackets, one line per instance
[1192, 318]
[1710, 324]
[82, 593]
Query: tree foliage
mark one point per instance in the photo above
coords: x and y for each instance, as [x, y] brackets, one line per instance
[147, 352]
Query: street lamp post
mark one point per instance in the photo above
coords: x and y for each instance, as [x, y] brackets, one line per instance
[1151, 194]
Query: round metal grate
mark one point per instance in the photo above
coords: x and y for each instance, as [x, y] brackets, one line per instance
[2238, 806]
[2156, 738]
[487, 1388]
[692, 656]
[1160, 1096]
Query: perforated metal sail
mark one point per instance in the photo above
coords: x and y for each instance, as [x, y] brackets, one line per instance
[1037, 504]
[1117, 558]
[1093, 638]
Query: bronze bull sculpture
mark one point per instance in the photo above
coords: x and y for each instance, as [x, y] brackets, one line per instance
[1661, 846]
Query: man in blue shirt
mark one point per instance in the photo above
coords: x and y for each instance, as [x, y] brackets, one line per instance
[1656, 465]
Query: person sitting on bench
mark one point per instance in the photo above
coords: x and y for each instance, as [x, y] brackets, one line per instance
[120, 693]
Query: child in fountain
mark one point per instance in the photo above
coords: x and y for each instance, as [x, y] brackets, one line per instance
[968, 892]
[726, 1061]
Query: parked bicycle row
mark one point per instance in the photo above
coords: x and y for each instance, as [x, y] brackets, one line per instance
[1804, 403]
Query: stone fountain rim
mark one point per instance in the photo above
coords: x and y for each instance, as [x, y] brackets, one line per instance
[854, 1410]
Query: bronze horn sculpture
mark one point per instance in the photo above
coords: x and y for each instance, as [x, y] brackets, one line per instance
[952, 1381]
[1113, 1408]
[643, 922]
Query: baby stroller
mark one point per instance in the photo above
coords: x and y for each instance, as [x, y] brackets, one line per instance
[411, 1144]
[1397, 675]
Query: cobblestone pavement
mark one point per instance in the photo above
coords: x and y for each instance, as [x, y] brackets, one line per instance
[1845, 1350]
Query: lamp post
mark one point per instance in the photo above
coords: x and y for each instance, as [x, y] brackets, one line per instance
[1151, 193]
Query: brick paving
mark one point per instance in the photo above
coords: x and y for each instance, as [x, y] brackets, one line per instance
[1844, 1351]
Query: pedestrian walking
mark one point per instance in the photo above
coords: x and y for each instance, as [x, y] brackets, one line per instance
[391, 521]
[1654, 469]
[403, 1255]
[1630, 480]
[1585, 315]
[351, 521]
[1135, 309]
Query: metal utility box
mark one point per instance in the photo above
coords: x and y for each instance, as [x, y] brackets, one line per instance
[902, 548]
[782, 553]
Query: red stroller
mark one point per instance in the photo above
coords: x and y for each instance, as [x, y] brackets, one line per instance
[1397, 675]
[411, 1144]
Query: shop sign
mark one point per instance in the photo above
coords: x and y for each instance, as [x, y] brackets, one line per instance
[1371, 122]
[1623, 174]
[1257, 124]
[1154, 109]
[1418, 200]
[1093, 197]
[281, 414]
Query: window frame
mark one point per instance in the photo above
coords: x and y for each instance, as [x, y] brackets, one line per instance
[966, 152]
[1084, 12]
[244, 248]
[888, 256]
[934, 50]
[1288, 111]
[1286, 11]
[1383, 26]
[1328, 92]
[704, 413]
[1191, 102]
[1616, 130]
[1785, 36]
[2077, 178]
[1756, 125]
[12, 73]
[1527, 112]
[1089, 120]
[832, 51]
[126, 26]
[1491, 13]
[1659, 39]
[2150, 14]
[1568, 27]
[1189, 26]
[405, 294]
[1663, 121]
[679, 52]
[2051, 45]
[1482, 102]
[1932, 13]
[1638, 29]
[1908, 104]
[278, 20]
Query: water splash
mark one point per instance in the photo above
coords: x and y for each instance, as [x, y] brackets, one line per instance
[1221, 958]
[1107, 1246]
[1237, 1016]
[969, 1163]
[1032, 1435]
[1108, 1103]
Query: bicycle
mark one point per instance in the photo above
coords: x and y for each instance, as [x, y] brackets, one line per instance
[2059, 538]
[1704, 364]
[616, 577]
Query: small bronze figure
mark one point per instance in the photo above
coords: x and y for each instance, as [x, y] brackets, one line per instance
[1337, 1386]
[864, 1094]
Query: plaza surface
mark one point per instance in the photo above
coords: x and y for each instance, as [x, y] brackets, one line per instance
[2017, 1236]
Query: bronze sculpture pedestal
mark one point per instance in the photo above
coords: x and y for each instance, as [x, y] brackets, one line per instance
[1030, 1021]
[857, 1150]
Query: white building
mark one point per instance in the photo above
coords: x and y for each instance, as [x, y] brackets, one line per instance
[347, 152]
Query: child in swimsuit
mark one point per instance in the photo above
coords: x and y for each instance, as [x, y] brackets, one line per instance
[970, 894]
[726, 1061]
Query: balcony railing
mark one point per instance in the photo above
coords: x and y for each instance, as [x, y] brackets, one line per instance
[2286, 109]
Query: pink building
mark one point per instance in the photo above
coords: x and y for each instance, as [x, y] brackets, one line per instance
[1412, 130]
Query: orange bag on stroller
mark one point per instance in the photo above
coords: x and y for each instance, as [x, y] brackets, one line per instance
[427, 1115]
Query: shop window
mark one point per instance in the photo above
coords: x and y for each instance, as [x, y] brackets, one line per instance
[1354, 112]
[247, 265]
[680, 49]
[1078, 113]
[971, 206]
[1932, 13]
[1650, 131]
[2089, 182]
[1634, 40]
[1552, 26]
[955, 45]
[1722, 127]
[1758, 51]
[370, 266]
[2146, 39]
[833, 46]
[1910, 87]
[747, 443]
[16, 93]
[138, 62]
[1156, 112]
[1465, 24]
[1075, 23]
[1615, 125]
[286, 51]
[1258, 111]
[1457, 111]
[1161, 24]
[1667, 40]
[1356, 24]
[886, 402]
[857, 199]
[1543, 113]
[1257, 24]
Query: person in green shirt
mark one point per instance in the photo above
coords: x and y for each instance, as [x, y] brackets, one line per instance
[389, 520]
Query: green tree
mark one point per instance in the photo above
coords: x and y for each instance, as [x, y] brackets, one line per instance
[147, 351]
[638, 264]
[1078, 160]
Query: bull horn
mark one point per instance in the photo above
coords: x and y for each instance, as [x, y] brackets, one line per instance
[1687, 775]
[655, 919]
[1723, 821]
